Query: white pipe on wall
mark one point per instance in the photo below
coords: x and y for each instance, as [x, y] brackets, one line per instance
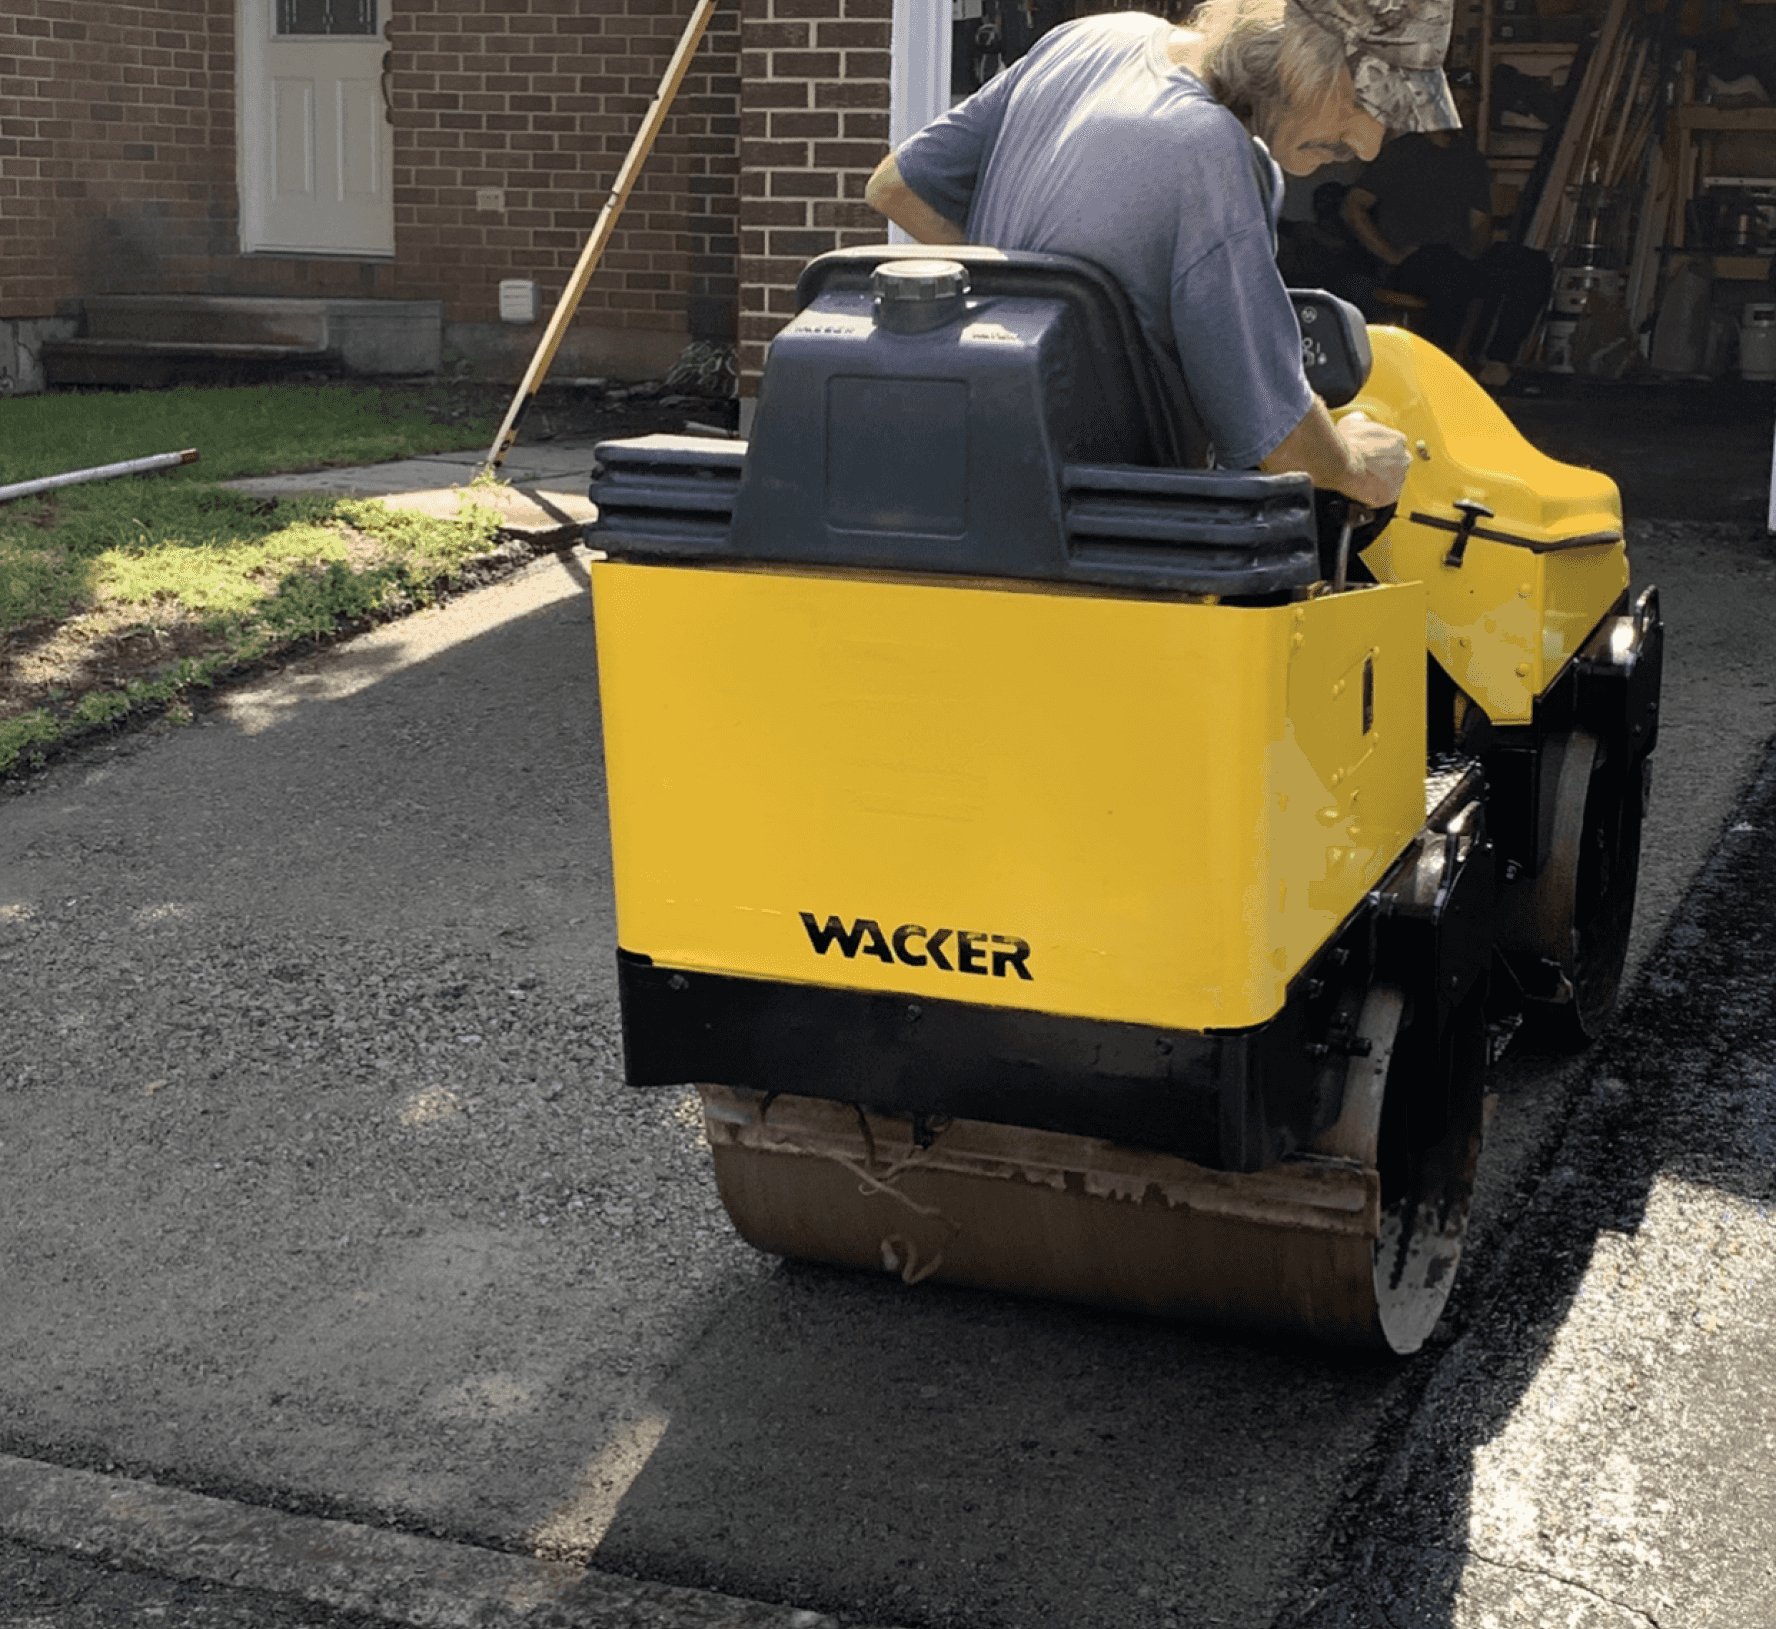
[919, 75]
[919, 83]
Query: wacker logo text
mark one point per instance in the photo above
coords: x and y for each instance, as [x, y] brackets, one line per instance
[989, 954]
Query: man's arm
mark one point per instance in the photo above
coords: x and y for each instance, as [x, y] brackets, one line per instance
[888, 195]
[1356, 456]
[1358, 203]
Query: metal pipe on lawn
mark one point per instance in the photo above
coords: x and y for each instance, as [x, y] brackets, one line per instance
[99, 472]
[601, 234]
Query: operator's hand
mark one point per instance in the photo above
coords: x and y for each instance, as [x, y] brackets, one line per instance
[1379, 460]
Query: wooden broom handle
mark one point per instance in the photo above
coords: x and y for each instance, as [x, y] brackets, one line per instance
[601, 234]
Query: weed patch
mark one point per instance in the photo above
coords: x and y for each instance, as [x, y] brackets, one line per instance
[126, 599]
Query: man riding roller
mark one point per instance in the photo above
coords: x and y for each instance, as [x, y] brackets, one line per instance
[1125, 141]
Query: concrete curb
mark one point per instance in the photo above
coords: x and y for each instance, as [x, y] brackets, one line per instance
[428, 1583]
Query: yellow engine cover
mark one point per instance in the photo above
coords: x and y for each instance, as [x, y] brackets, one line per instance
[1081, 803]
[1507, 619]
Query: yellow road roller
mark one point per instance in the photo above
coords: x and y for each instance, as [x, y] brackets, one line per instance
[1065, 868]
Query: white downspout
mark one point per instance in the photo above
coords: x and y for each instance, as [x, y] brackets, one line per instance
[919, 77]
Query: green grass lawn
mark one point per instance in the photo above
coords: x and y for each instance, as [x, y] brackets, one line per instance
[126, 594]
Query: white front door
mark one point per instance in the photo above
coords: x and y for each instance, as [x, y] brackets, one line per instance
[316, 165]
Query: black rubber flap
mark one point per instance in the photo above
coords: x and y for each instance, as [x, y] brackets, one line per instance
[664, 495]
[1200, 532]
[1022, 436]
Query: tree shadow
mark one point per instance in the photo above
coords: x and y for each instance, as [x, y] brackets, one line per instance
[944, 1456]
[1584, 1430]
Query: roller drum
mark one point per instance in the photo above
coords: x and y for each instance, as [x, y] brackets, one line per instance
[1353, 1242]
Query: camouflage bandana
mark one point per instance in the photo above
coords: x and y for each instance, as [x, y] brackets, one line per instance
[1395, 49]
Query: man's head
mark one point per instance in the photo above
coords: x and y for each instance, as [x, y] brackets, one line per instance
[1323, 81]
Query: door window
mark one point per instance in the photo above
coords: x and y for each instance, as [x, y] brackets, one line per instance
[326, 16]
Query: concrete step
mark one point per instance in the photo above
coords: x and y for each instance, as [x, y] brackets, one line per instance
[152, 363]
[156, 338]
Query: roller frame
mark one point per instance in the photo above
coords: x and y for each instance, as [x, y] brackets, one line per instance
[1231, 1101]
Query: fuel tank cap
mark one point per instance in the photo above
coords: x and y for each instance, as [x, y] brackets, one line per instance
[915, 295]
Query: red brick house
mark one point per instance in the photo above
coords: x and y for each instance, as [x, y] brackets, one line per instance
[200, 161]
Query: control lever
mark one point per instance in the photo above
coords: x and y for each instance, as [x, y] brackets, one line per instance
[1354, 516]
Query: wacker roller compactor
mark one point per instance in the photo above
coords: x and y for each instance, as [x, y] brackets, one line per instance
[1064, 870]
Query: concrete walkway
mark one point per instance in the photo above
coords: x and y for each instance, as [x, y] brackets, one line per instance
[542, 499]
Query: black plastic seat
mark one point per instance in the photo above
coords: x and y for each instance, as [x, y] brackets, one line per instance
[971, 412]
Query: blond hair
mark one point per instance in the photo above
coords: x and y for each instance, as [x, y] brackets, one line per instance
[1264, 57]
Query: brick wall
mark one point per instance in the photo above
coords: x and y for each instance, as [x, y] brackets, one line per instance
[539, 100]
[116, 146]
[814, 123]
[117, 164]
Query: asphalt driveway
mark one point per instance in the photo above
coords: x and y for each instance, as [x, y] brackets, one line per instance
[319, 1190]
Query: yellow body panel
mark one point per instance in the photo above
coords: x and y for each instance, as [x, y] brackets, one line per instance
[1510, 617]
[1171, 804]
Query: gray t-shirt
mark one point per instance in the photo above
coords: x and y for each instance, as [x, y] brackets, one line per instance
[1096, 145]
